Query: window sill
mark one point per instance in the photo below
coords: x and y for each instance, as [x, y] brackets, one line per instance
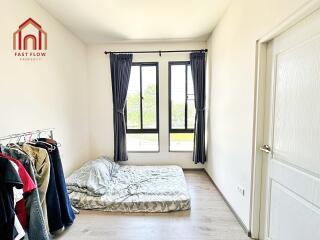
[143, 151]
[176, 151]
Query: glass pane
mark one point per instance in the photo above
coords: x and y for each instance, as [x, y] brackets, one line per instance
[181, 141]
[191, 107]
[147, 142]
[190, 82]
[178, 95]
[133, 99]
[149, 93]
[191, 114]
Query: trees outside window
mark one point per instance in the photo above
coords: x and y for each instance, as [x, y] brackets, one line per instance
[142, 109]
[181, 107]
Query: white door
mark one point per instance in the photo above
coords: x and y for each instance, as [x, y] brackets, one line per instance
[293, 178]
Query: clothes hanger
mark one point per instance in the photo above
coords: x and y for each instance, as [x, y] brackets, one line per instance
[17, 143]
[36, 140]
[50, 140]
[30, 137]
[51, 147]
[9, 141]
[19, 139]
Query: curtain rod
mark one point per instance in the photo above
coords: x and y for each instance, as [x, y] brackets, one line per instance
[160, 51]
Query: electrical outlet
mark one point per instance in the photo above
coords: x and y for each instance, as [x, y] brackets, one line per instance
[241, 190]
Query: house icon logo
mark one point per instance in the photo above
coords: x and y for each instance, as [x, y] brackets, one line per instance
[30, 40]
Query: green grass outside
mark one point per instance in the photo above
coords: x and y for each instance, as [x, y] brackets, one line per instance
[181, 136]
[174, 137]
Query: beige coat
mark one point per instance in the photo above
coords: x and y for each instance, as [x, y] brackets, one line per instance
[41, 161]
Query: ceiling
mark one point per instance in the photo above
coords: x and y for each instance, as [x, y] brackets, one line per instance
[101, 21]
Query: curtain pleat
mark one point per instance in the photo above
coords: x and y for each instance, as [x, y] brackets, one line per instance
[198, 70]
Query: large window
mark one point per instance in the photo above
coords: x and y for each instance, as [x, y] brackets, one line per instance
[142, 109]
[181, 107]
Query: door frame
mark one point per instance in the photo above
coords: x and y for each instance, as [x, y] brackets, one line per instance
[258, 171]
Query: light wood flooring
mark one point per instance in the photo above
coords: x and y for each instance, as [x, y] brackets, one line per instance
[209, 219]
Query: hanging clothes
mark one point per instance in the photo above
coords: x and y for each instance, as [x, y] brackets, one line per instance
[28, 187]
[17, 195]
[38, 229]
[33, 196]
[41, 162]
[8, 179]
[60, 213]
[65, 203]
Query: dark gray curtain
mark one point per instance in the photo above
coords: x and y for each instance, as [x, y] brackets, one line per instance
[198, 69]
[120, 65]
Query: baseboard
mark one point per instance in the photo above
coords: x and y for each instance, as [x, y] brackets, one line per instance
[230, 207]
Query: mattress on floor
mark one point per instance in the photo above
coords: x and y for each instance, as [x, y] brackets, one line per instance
[139, 189]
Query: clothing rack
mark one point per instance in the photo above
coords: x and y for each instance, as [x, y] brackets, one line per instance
[19, 135]
[43, 206]
[160, 51]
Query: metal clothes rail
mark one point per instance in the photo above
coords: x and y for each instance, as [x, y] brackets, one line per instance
[31, 133]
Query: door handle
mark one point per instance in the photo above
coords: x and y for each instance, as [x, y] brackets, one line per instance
[265, 148]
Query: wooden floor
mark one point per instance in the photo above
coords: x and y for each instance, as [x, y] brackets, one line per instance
[209, 218]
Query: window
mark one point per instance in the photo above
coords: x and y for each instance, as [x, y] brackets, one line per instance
[181, 107]
[142, 109]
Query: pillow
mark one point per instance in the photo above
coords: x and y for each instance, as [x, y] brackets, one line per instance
[93, 177]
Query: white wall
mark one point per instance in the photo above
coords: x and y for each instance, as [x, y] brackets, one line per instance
[232, 66]
[47, 93]
[101, 120]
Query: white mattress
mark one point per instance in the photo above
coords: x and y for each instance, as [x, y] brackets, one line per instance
[139, 189]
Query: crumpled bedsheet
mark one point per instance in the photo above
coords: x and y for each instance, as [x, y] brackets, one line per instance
[110, 187]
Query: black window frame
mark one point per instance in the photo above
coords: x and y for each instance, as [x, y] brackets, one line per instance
[146, 130]
[185, 129]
